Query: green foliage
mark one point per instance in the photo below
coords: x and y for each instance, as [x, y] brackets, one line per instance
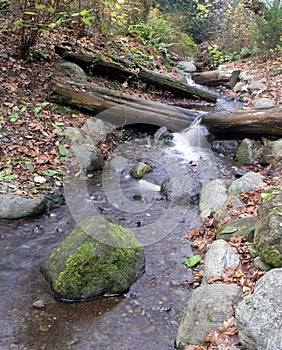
[268, 28]
[193, 261]
[163, 34]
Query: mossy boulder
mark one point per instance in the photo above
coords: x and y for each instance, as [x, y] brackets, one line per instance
[98, 258]
[268, 233]
[240, 227]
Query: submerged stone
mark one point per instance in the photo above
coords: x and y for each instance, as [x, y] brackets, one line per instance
[98, 258]
[140, 169]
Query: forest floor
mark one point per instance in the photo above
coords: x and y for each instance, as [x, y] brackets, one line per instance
[32, 146]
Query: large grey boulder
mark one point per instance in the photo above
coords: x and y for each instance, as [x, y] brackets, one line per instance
[13, 206]
[70, 69]
[209, 306]
[219, 256]
[88, 157]
[213, 195]
[259, 317]
[268, 237]
[96, 129]
[98, 258]
[187, 67]
[263, 103]
[232, 203]
[247, 182]
[181, 190]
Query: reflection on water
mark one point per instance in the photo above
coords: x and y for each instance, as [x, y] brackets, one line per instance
[147, 317]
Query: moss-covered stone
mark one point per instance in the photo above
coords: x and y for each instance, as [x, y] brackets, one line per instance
[240, 227]
[268, 233]
[98, 257]
[140, 169]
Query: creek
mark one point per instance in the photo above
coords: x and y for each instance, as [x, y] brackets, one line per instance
[147, 316]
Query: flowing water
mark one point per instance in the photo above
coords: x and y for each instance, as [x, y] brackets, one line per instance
[147, 316]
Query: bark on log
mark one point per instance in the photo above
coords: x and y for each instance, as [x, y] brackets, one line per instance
[121, 109]
[96, 65]
[245, 122]
[117, 108]
[216, 77]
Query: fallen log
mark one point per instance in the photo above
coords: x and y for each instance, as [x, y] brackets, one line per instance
[245, 122]
[216, 77]
[122, 109]
[97, 65]
[117, 108]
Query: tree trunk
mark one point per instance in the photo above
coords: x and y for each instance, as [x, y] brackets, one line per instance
[117, 108]
[99, 66]
[121, 109]
[216, 77]
[245, 122]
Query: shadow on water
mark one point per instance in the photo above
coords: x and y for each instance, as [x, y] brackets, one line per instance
[146, 317]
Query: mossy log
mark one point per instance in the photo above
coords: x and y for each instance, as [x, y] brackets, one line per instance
[95, 64]
[245, 121]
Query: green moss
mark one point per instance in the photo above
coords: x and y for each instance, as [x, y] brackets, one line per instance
[270, 194]
[271, 255]
[84, 267]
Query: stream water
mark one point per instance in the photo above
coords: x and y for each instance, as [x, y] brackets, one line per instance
[147, 316]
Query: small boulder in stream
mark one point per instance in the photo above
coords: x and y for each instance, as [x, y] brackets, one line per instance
[181, 190]
[140, 169]
[98, 258]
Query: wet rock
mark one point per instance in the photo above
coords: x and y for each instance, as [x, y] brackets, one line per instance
[39, 304]
[263, 103]
[225, 147]
[240, 87]
[75, 135]
[70, 69]
[98, 258]
[247, 152]
[240, 227]
[140, 169]
[118, 164]
[213, 195]
[249, 181]
[258, 318]
[162, 134]
[96, 129]
[232, 203]
[13, 206]
[88, 157]
[187, 67]
[219, 256]
[209, 306]
[261, 265]
[268, 238]
[256, 86]
[181, 190]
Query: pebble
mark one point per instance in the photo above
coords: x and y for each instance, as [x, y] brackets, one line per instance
[261, 265]
[39, 304]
